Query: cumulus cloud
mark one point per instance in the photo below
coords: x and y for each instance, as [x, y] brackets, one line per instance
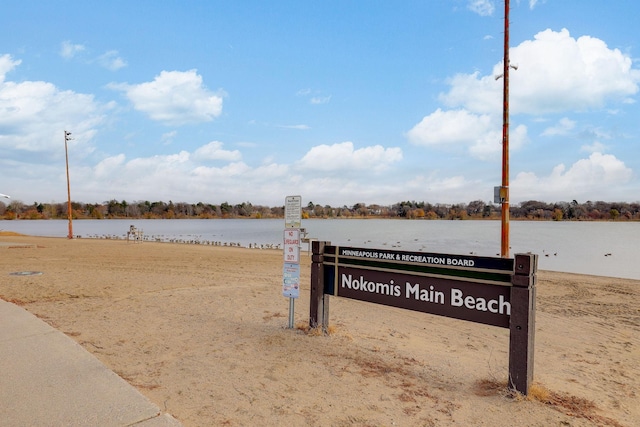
[556, 73]
[489, 145]
[144, 175]
[559, 73]
[160, 162]
[182, 176]
[105, 167]
[593, 175]
[214, 151]
[479, 94]
[174, 98]
[111, 60]
[34, 113]
[449, 127]
[596, 146]
[343, 156]
[7, 64]
[185, 176]
[481, 134]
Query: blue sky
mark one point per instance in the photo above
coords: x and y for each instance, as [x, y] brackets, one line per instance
[341, 102]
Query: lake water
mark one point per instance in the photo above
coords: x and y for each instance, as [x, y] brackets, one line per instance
[597, 248]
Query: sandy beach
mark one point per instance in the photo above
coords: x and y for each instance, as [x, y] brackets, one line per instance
[202, 332]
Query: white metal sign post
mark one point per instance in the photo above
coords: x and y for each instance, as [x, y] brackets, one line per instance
[291, 268]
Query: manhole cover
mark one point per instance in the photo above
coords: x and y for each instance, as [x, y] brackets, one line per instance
[26, 273]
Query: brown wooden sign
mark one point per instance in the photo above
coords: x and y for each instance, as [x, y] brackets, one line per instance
[458, 299]
[492, 291]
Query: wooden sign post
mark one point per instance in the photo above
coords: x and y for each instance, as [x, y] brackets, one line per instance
[492, 291]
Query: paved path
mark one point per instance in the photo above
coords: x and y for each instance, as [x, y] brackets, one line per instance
[47, 379]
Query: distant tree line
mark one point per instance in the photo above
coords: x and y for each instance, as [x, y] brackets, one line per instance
[529, 210]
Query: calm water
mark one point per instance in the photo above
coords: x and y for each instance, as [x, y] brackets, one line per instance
[577, 247]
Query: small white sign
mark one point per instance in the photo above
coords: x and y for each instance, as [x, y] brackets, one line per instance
[291, 280]
[292, 245]
[293, 212]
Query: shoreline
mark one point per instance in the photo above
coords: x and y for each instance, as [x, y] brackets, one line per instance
[201, 331]
[336, 218]
[266, 247]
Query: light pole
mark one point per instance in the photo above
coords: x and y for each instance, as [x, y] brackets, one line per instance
[504, 189]
[67, 138]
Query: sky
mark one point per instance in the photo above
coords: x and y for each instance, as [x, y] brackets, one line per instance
[338, 101]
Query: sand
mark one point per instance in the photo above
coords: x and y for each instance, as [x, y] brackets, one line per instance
[202, 332]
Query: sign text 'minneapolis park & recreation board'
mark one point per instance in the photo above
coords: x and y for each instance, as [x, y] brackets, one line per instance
[492, 291]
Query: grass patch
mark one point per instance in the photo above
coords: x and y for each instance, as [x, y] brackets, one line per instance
[315, 332]
[566, 403]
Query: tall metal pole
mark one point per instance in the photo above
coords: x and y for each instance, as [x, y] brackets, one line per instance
[67, 137]
[504, 191]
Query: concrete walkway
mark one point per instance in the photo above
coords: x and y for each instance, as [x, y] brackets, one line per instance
[47, 379]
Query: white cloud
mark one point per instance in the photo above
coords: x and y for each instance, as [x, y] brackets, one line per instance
[556, 73]
[151, 176]
[481, 133]
[175, 98]
[481, 7]
[449, 127]
[33, 115]
[169, 161]
[106, 167]
[214, 151]
[68, 50]
[344, 157]
[7, 64]
[597, 146]
[593, 177]
[489, 145]
[563, 127]
[181, 177]
[111, 60]
[477, 94]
